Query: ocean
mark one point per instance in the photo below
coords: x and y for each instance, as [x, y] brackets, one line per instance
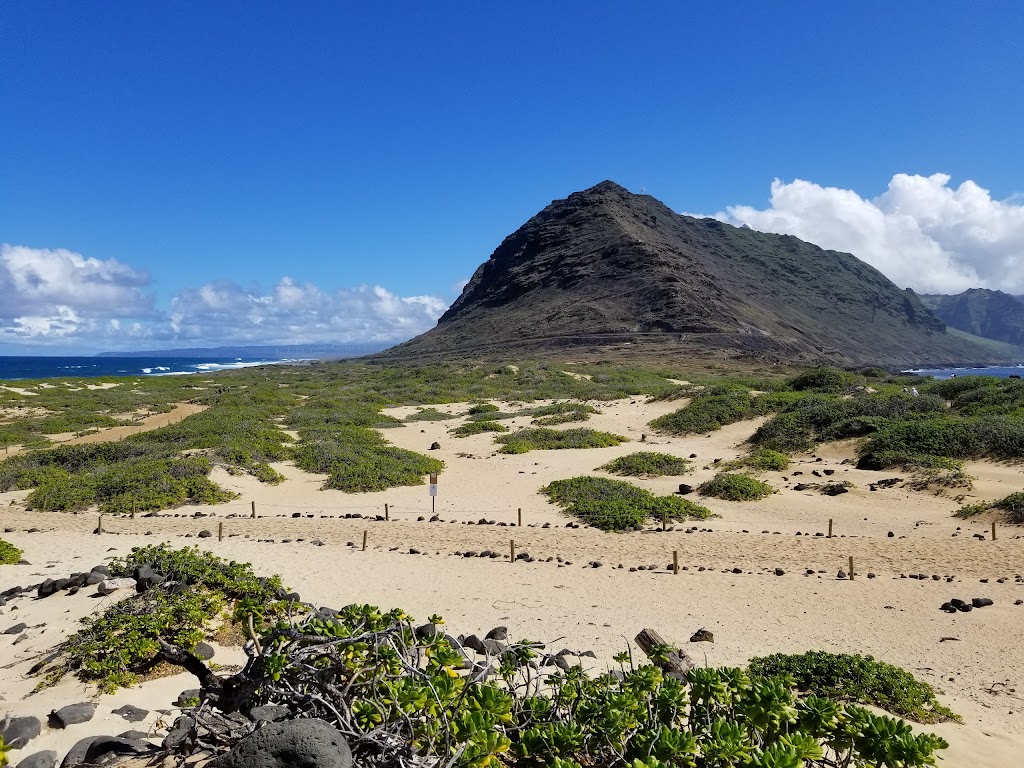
[949, 373]
[13, 368]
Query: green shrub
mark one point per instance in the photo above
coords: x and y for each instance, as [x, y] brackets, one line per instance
[561, 413]
[856, 678]
[615, 505]
[359, 460]
[735, 487]
[1013, 507]
[707, 414]
[9, 554]
[116, 646]
[544, 439]
[972, 510]
[955, 437]
[476, 427]
[430, 414]
[762, 460]
[480, 408]
[823, 380]
[647, 464]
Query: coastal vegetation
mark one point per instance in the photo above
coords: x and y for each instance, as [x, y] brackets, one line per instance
[1011, 507]
[352, 667]
[329, 418]
[9, 554]
[546, 439]
[476, 427]
[647, 464]
[857, 679]
[616, 505]
[733, 486]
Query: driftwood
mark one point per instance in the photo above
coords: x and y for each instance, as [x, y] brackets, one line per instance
[675, 663]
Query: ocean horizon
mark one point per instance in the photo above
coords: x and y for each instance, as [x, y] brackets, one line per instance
[17, 368]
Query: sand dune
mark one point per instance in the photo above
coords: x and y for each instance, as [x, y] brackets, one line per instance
[751, 613]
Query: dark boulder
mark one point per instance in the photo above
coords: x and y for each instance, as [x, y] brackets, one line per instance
[203, 651]
[47, 588]
[101, 750]
[17, 629]
[435, 446]
[72, 714]
[45, 759]
[498, 633]
[182, 736]
[131, 714]
[293, 744]
[981, 602]
[19, 731]
[147, 578]
[270, 713]
[702, 636]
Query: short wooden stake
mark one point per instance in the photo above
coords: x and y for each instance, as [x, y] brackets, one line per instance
[512, 550]
[993, 530]
[220, 531]
[851, 567]
[387, 513]
[99, 527]
[254, 510]
[675, 562]
[364, 541]
[520, 517]
[830, 527]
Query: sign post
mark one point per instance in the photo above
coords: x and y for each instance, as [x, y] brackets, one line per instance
[433, 491]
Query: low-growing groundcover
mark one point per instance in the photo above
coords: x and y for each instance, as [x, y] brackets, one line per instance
[402, 696]
[647, 464]
[858, 679]
[735, 487]
[476, 427]
[9, 554]
[545, 439]
[357, 459]
[1011, 506]
[615, 505]
[117, 646]
[354, 670]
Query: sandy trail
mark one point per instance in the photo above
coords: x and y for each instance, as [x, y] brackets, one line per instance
[751, 613]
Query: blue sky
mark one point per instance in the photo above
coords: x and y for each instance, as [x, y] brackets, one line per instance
[195, 172]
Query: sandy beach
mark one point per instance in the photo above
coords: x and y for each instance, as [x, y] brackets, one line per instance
[970, 658]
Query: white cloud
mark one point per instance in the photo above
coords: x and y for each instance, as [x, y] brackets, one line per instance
[920, 232]
[59, 299]
[291, 312]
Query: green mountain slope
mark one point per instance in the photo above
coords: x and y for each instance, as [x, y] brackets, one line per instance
[982, 312]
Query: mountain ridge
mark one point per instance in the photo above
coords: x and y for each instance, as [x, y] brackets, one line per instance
[607, 272]
[982, 312]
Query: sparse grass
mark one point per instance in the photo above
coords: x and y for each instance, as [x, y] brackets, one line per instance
[483, 408]
[615, 505]
[561, 413]
[544, 439]
[476, 427]
[647, 464]
[761, 460]
[736, 487]
[9, 554]
[972, 510]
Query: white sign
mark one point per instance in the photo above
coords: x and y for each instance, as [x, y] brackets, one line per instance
[433, 489]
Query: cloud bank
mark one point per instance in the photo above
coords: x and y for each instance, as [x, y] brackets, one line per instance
[920, 232]
[62, 300]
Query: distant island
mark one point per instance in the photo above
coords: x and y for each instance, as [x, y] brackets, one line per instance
[277, 351]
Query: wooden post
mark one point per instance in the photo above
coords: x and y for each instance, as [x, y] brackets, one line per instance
[675, 562]
[364, 541]
[220, 531]
[993, 530]
[851, 567]
[512, 550]
[830, 527]
[520, 517]
[254, 510]
[99, 527]
[676, 665]
[387, 514]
